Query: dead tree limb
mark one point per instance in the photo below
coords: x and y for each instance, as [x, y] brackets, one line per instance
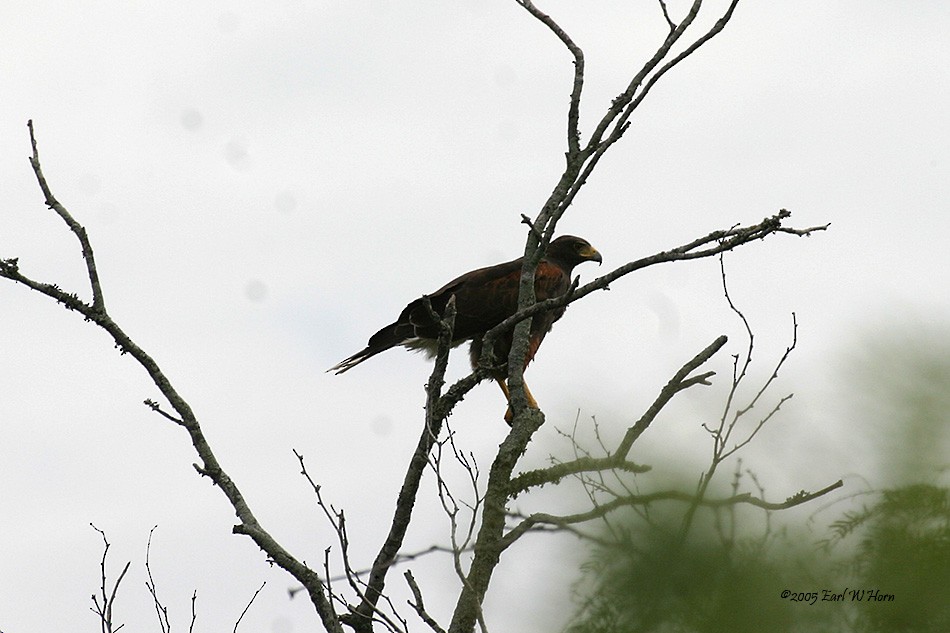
[104, 610]
[209, 465]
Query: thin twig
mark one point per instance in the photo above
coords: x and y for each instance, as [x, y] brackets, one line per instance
[98, 303]
[399, 560]
[451, 506]
[194, 612]
[419, 605]
[337, 520]
[209, 465]
[160, 610]
[241, 617]
[797, 499]
[722, 434]
[104, 611]
[531, 227]
[573, 111]
[666, 16]
[707, 246]
[436, 413]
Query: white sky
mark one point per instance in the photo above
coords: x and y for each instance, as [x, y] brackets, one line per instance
[265, 185]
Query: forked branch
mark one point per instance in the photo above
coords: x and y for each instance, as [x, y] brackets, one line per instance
[361, 618]
[209, 465]
[98, 304]
[104, 608]
[710, 245]
[574, 109]
[617, 460]
[604, 509]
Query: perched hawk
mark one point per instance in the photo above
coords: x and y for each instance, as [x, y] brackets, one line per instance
[483, 299]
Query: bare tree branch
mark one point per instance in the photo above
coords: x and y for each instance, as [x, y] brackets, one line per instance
[493, 534]
[452, 508]
[97, 301]
[435, 417]
[573, 111]
[710, 245]
[634, 500]
[337, 520]
[666, 16]
[525, 422]
[621, 109]
[250, 602]
[576, 173]
[400, 559]
[194, 613]
[617, 459]
[692, 48]
[679, 382]
[160, 609]
[104, 610]
[419, 606]
[209, 466]
[554, 474]
[723, 432]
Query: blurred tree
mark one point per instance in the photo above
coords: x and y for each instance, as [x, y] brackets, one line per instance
[884, 567]
[898, 382]
[902, 563]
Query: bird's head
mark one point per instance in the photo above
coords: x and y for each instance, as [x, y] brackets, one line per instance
[571, 250]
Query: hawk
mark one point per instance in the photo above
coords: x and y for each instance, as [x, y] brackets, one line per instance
[483, 299]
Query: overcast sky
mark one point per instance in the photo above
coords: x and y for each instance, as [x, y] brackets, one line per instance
[267, 184]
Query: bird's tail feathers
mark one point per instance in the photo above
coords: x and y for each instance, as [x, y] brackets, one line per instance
[390, 336]
[349, 363]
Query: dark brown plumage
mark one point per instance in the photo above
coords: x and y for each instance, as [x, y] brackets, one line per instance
[483, 299]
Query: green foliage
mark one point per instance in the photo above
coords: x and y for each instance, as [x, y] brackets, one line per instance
[655, 583]
[895, 578]
[906, 552]
[884, 567]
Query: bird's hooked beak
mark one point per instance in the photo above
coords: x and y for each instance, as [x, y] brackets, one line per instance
[591, 254]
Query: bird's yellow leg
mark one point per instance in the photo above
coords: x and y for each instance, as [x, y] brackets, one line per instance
[532, 403]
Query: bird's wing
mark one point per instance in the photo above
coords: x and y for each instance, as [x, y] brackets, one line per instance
[483, 298]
